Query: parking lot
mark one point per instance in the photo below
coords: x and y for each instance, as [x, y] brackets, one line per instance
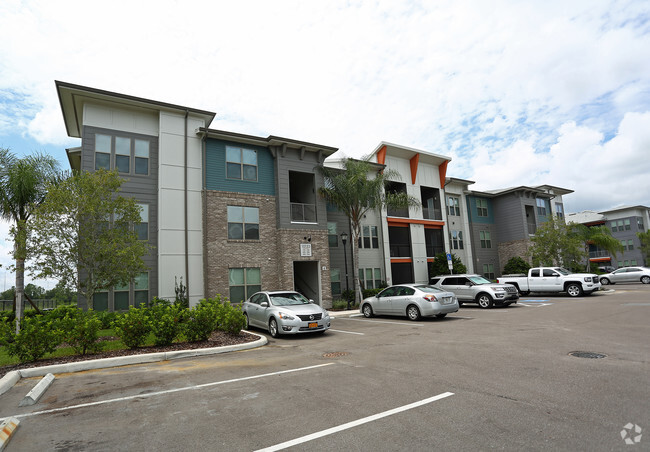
[479, 379]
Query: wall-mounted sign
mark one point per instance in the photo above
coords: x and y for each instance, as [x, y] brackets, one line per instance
[305, 249]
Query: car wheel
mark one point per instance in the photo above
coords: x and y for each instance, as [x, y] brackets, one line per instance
[604, 281]
[441, 316]
[273, 327]
[484, 301]
[247, 324]
[412, 312]
[367, 310]
[645, 279]
[574, 290]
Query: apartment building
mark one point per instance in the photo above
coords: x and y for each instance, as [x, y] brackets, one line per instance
[624, 223]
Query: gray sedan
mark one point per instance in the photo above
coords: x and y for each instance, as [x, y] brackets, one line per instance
[627, 274]
[411, 300]
[285, 312]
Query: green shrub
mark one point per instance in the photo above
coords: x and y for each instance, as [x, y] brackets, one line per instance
[133, 327]
[231, 318]
[81, 331]
[37, 337]
[63, 311]
[106, 318]
[371, 292]
[516, 265]
[339, 305]
[166, 321]
[203, 319]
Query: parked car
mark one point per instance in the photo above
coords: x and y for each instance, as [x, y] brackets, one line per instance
[477, 289]
[285, 312]
[553, 279]
[412, 300]
[627, 274]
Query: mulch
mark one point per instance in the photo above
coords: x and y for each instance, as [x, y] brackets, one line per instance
[218, 339]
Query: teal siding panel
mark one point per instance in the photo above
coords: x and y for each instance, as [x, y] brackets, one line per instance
[215, 169]
[473, 211]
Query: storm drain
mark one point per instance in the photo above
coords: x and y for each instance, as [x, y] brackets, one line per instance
[335, 354]
[590, 355]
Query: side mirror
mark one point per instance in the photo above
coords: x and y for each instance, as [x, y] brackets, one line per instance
[264, 304]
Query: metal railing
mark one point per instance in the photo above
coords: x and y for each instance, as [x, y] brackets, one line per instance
[400, 250]
[304, 213]
[431, 214]
[8, 305]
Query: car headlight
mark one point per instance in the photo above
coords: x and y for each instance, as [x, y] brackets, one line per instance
[499, 289]
[285, 316]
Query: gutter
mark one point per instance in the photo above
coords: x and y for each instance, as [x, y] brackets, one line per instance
[187, 255]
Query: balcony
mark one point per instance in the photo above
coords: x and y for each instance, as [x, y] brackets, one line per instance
[431, 214]
[303, 213]
[598, 253]
[400, 250]
[433, 250]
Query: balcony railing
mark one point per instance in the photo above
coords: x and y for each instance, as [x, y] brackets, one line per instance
[400, 250]
[303, 213]
[398, 212]
[433, 250]
[598, 253]
[431, 214]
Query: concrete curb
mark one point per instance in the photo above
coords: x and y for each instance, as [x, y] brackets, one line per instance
[343, 313]
[9, 380]
[37, 392]
[7, 428]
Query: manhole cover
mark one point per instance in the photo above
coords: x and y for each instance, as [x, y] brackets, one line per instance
[335, 354]
[590, 355]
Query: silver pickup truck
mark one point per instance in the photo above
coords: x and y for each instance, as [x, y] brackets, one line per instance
[477, 289]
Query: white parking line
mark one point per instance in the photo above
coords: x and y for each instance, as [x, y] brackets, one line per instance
[169, 391]
[380, 321]
[348, 332]
[535, 305]
[365, 420]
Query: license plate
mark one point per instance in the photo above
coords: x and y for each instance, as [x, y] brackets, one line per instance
[313, 325]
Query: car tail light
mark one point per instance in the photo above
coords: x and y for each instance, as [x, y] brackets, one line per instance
[431, 298]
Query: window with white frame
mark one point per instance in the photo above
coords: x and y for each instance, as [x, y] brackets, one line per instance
[241, 163]
[243, 282]
[482, 207]
[559, 210]
[486, 241]
[142, 229]
[121, 297]
[457, 240]
[243, 223]
[541, 207]
[453, 206]
[488, 271]
[332, 236]
[141, 157]
[370, 278]
[369, 237]
[141, 290]
[103, 151]
[125, 151]
[335, 280]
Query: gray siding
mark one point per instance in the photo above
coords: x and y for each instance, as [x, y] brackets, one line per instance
[510, 216]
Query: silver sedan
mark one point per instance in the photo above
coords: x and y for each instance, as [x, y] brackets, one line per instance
[412, 300]
[627, 274]
[285, 312]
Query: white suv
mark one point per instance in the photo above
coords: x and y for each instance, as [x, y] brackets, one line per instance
[477, 289]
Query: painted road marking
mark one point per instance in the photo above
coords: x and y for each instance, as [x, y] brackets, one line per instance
[365, 420]
[535, 305]
[635, 304]
[535, 301]
[381, 321]
[347, 332]
[168, 391]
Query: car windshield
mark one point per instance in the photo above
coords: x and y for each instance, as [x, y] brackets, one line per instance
[478, 280]
[562, 271]
[428, 289]
[288, 299]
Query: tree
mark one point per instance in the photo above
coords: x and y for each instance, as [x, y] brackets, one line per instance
[516, 265]
[554, 244]
[644, 237]
[23, 186]
[439, 265]
[84, 235]
[600, 236]
[353, 191]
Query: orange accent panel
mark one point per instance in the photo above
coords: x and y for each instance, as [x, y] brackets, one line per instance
[430, 259]
[414, 167]
[381, 155]
[405, 260]
[442, 169]
[600, 259]
[434, 224]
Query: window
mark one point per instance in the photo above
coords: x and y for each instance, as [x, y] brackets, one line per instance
[332, 236]
[100, 301]
[624, 244]
[243, 283]
[639, 223]
[559, 210]
[141, 292]
[541, 207]
[142, 229]
[453, 206]
[627, 224]
[335, 280]
[123, 154]
[370, 278]
[241, 163]
[633, 262]
[142, 157]
[482, 207]
[488, 271]
[486, 242]
[613, 226]
[102, 151]
[457, 240]
[369, 237]
[121, 297]
[620, 225]
[630, 245]
[243, 223]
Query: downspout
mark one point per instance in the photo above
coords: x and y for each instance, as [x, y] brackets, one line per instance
[187, 255]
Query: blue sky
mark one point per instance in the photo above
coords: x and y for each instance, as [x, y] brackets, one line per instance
[517, 93]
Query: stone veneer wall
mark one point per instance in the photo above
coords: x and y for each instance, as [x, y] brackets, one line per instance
[274, 253]
[508, 250]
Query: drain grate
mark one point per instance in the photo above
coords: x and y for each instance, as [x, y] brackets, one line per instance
[335, 354]
[590, 355]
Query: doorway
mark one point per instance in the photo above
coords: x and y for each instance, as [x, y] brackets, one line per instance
[306, 279]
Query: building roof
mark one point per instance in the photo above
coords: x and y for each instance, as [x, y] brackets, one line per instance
[72, 97]
[408, 153]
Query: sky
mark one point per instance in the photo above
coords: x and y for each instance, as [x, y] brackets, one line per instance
[516, 93]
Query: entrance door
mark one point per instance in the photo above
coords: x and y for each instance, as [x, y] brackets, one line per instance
[306, 279]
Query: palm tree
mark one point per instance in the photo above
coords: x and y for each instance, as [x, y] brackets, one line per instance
[354, 192]
[23, 187]
[600, 236]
